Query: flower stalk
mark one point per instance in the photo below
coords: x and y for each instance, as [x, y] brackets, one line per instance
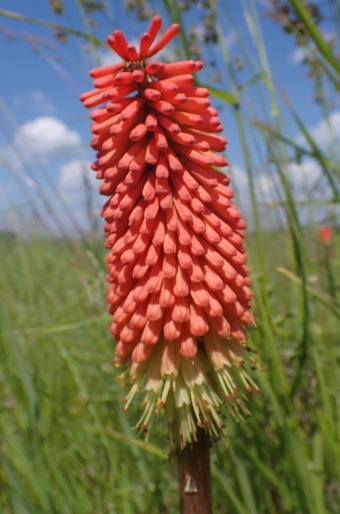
[194, 476]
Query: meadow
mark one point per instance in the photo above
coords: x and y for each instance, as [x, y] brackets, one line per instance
[66, 445]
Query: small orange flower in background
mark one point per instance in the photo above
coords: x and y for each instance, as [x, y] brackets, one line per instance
[179, 285]
[326, 235]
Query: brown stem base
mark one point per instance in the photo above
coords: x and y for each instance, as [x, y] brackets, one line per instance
[194, 476]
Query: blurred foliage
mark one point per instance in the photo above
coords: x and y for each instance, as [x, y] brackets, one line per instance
[284, 13]
[57, 6]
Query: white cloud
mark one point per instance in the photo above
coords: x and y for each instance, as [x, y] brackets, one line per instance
[230, 40]
[80, 191]
[108, 57]
[303, 179]
[307, 184]
[300, 53]
[240, 176]
[71, 175]
[327, 131]
[326, 134]
[46, 135]
[34, 100]
[265, 187]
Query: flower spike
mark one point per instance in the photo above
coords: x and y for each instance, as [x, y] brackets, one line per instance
[178, 281]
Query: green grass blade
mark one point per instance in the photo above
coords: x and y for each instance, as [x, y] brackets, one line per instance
[63, 28]
[316, 36]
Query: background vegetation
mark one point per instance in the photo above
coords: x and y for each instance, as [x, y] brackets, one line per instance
[66, 447]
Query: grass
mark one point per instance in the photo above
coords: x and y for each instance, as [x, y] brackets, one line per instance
[67, 447]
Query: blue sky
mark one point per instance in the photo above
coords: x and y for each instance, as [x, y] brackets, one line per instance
[44, 129]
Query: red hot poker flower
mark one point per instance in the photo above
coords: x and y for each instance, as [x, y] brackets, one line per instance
[179, 286]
